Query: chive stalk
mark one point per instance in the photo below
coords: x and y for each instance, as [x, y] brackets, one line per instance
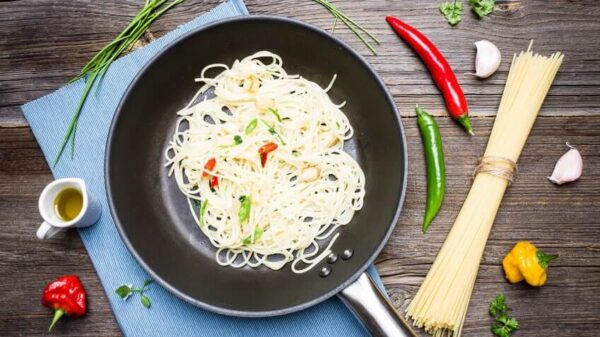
[96, 68]
[356, 28]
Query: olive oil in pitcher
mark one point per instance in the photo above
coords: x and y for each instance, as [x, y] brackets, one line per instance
[68, 204]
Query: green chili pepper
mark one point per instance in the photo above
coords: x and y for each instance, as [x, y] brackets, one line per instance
[245, 204]
[436, 170]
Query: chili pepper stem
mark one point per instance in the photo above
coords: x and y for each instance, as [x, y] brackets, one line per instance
[466, 123]
[58, 313]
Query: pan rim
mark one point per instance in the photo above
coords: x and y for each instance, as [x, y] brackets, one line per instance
[262, 313]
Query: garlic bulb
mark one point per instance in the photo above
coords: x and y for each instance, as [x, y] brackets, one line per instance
[568, 167]
[487, 60]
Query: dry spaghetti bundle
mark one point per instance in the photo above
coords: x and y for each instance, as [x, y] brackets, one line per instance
[441, 303]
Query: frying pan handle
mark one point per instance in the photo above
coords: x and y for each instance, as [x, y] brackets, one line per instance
[374, 310]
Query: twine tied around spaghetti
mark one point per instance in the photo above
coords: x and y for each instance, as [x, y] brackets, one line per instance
[497, 166]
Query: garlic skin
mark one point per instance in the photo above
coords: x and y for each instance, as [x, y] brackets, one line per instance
[487, 60]
[568, 168]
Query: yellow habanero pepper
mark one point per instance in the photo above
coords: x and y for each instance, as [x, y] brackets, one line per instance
[526, 262]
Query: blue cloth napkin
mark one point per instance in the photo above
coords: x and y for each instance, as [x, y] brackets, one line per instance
[49, 117]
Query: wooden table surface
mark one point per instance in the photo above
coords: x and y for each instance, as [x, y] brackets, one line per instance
[44, 43]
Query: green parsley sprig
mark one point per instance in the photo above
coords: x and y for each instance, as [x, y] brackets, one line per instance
[96, 68]
[126, 290]
[452, 12]
[503, 325]
[357, 29]
[482, 7]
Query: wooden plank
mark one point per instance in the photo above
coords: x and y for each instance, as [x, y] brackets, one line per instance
[74, 31]
[560, 220]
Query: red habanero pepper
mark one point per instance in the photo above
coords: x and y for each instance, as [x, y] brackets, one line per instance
[66, 296]
[440, 70]
[213, 182]
[209, 166]
[264, 151]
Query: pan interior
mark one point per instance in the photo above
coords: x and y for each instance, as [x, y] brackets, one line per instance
[153, 216]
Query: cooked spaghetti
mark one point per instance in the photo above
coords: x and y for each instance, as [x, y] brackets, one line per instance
[261, 160]
[441, 303]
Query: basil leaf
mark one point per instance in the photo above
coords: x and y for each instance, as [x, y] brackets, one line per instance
[245, 204]
[251, 126]
[147, 283]
[124, 291]
[145, 301]
[237, 140]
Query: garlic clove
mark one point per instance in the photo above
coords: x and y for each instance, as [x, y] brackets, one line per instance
[487, 60]
[568, 168]
[310, 173]
[263, 102]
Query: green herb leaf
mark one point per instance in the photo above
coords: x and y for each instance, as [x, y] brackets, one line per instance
[510, 323]
[147, 283]
[498, 306]
[251, 126]
[452, 12]
[145, 301]
[245, 205]
[258, 232]
[237, 140]
[124, 291]
[499, 330]
[273, 132]
[482, 7]
[202, 212]
[504, 326]
[544, 259]
[276, 113]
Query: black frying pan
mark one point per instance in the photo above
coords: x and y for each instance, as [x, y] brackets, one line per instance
[153, 217]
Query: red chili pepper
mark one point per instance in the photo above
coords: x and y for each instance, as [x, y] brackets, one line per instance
[265, 150]
[440, 70]
[66, 296]
[209, 166]
[213, 182]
